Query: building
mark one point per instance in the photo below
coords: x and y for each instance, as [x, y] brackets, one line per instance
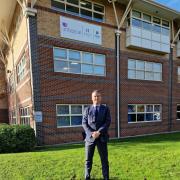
[57, 51]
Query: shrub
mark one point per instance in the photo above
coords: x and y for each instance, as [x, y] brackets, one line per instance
[16, 138]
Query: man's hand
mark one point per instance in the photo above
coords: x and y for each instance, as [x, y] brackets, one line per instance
[95, 134]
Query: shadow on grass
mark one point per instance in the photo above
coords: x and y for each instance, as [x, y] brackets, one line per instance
[59, 147]
[112, 178]
[175, 137]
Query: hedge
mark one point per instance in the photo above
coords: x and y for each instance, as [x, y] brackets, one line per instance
[16, 138]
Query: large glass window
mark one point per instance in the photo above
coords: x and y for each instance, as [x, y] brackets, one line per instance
[25, 115]
[144, 70]
[149, 23]
[144, 112]
[21, 69]
[79, 62]
[69, 115]
[83, 8]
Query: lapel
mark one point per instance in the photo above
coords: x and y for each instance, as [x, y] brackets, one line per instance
[91, 110]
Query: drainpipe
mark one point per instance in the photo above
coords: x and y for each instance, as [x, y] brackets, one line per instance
[170, 84]
[118, 33]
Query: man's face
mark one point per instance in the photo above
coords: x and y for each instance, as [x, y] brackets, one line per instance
[96, 98]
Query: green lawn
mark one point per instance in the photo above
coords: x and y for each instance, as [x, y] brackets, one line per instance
[152, 158]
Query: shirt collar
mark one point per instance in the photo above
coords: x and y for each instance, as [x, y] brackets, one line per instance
[97, 105]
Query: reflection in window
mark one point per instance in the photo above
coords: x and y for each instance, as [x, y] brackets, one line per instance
[136, 23]
[146, 112]
[178, 74]
[178, 112]
[81, 8]
[144, 70]
[69, 115]
[156, 29]
[78, 62]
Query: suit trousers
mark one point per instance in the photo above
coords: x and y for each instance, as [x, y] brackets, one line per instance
[103, 153]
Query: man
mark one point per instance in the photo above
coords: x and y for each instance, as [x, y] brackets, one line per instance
[96, 121]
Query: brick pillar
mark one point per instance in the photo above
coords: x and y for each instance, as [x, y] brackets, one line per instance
[35, 68]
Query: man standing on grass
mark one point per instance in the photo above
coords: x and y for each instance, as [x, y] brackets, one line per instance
[96, 121]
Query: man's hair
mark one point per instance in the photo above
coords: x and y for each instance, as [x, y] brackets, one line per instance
[96, 91]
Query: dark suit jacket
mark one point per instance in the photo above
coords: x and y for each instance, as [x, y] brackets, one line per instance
[101, 124]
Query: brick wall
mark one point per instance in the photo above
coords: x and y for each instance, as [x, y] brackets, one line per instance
[64, 88]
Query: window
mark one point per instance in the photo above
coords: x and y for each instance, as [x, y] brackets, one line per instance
[136, 14]
[21, 69]
[25, 116]
[83, 8]
[11, 84]
[144, 70]
[165, 23]
[147, 17]
[78, 62]
[144, 113]
[178, 72]
[69, 115]
[156, 20]
[178, 112]
[12, 117]
[148, 32]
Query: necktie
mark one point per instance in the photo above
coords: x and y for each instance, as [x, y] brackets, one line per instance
[96, 113]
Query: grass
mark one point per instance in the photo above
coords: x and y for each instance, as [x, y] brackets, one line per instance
[151, 158]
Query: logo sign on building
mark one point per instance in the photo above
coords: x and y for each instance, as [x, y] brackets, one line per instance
[81, 31]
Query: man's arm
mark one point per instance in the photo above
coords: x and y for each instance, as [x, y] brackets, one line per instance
[107, 123]
[85, 125]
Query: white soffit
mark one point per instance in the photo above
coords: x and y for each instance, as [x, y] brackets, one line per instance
[154, 8]
[7, 8]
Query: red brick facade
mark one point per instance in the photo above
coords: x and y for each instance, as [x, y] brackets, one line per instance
[42, 88]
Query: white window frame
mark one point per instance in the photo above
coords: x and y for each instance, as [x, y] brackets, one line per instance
[145, 113]
[145, 71]
[11, 84]
[25, 119]
[178, 74]
[70, 114]
[177, 112]
[161, 19]
[21, 68]
[81, 62]
[12, 117]
[79, 7]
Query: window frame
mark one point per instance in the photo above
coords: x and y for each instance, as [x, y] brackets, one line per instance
[21, 69]
[178, 74]
[145, 71]
[70, 114]
[152, 16]
[25, 118]
[12, 117]
[11, 83]
[84, 8]
[81, 62]
[177, 112]
[144, 112]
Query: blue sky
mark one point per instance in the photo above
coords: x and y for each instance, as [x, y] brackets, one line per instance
[174, 4]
